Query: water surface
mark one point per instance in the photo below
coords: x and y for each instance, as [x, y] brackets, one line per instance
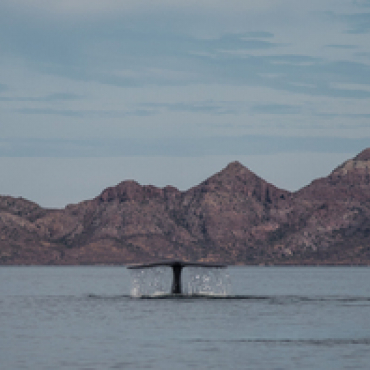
[275, 318]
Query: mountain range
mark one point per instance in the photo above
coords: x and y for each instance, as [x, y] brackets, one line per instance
[234, 217]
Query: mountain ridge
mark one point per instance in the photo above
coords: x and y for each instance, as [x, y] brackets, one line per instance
[234, 216]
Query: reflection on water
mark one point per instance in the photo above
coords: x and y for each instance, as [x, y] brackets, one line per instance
[203, 281]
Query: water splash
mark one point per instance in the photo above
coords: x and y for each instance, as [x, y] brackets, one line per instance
[196, 281]
[206, 281]
[150, 281]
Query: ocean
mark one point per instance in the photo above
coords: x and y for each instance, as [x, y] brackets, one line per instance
[84, 317]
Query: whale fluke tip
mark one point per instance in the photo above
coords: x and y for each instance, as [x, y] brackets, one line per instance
[176, 263]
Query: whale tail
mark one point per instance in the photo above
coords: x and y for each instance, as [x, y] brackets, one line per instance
[177, 267]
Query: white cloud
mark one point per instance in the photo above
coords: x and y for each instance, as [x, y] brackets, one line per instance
[110, 6]
[173, 69]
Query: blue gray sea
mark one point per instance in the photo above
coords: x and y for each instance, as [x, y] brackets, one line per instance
[270, 318]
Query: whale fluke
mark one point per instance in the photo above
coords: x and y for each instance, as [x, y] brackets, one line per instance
[177, 267]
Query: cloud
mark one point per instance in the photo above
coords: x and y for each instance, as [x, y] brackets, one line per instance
[275, 109]
[319, 78]
[182, 79]
[80, 113]
[226, 107]
[340, 46]
[207, 107]
[152, 50]
[178, 147]
[48, 98]
[259, 34]
[43, 111]
[362, 3]
[242, 41]
[97, 8]
[359, 23]
[61, 96]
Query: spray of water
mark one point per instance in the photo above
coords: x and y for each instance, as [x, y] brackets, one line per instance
[206, 281]
[196, 281]
[150, 281]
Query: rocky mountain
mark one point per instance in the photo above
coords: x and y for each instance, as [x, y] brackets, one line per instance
[336, 223]
[234, 217]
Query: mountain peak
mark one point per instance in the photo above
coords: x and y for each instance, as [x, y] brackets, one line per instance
[359, 163]
[235, 168]
[235, 165]
[131, 190]
[234, 216]
[238, 179]
[232, 171]
[363, 156]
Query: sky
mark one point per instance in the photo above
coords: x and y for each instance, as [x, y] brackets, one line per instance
[165, 92]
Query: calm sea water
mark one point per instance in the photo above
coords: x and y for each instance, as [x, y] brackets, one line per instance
[276, 318]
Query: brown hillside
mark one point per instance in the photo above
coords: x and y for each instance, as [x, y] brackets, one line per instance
[234, 217]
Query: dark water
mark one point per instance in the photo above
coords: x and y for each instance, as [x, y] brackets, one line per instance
[276, 318]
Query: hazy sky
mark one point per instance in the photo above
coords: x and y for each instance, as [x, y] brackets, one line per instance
[95, 92]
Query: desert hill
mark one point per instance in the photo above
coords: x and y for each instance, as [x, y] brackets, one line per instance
[234, 217]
